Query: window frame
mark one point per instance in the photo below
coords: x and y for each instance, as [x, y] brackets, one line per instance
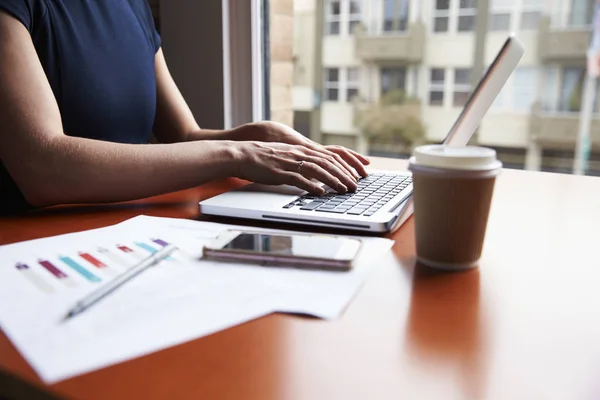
[329, 85]
[437, 86]
[394, 71]
[332, 18]
[351, 85]
[353, 17]
[441, 13]
[465, 12]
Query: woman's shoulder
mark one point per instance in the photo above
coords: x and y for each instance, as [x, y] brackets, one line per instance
[28, 12]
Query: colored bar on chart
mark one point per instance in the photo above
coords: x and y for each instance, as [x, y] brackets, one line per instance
[52, 269]
[151, 249]
[64, 278]
[146, 247]
[160, 242]
[130, 251]
[92, 260]
[34, 278]
[79, 269]
[124, 249]
[114, 258]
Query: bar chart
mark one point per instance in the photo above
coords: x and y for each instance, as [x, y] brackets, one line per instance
[87, 266]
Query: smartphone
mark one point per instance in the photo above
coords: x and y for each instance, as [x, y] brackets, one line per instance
[330, 253]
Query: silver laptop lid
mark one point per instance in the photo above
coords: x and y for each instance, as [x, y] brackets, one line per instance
[486, 92]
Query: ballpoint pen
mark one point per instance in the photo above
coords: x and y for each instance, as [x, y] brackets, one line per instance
[112, 285]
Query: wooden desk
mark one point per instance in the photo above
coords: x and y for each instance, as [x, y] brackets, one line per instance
[524, 325]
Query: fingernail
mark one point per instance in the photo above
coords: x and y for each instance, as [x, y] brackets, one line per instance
[342, 188]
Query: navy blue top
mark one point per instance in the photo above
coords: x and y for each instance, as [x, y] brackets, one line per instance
[98, 56]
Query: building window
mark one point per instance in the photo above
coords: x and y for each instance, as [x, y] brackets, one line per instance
[466, 15]
[341, 84]
[332, 84]
[436, 87]
[441, 16]
[395, 15]
[524, 89]
[571, 89]
[333, 11]
[352, 84]
[462, 86]
[393, 79]
[530, 20]
[531, 14]
[500, 22]
[582, 13]
[354, 16]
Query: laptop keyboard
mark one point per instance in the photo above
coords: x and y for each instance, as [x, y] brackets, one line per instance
[374, 192]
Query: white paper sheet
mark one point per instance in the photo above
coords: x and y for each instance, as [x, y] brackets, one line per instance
[180, 299]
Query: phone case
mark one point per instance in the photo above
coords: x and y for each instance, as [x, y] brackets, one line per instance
[277, 260]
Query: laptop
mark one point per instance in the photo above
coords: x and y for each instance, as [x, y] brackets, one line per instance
[382, 202]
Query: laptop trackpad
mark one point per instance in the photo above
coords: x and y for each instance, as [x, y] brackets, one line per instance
[280, 189]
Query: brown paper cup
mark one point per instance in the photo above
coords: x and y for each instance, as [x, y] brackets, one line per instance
[451, 209]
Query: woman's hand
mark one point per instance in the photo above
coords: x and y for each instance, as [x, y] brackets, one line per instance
[297, 165]
[268, 131]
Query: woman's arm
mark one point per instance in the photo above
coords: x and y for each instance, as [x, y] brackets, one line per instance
[52, 168]
[174, 122]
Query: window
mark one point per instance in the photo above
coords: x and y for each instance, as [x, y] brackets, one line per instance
[354, 16]
[501, 12]
[582, 13]
[500, 22]
[571, 89]
[466, 15]
[524, 88]
[531, 14]
[395, 15]
[332, 84]
[353, 82]
[436, 87]
[530, 20]
[341, 84]
[441, 16]
[462, 86]
[333, 11]
[393, 79]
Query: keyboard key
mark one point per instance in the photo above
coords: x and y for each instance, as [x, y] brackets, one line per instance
[355, 212]
[344, 209]
[334, 211]
[312, 206]
[327, 207]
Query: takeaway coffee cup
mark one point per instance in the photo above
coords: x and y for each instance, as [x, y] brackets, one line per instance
[452, 193]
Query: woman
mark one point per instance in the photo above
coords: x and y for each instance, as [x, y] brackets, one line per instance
[82, 85]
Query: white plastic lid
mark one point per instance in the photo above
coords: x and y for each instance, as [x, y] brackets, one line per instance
[462, 158]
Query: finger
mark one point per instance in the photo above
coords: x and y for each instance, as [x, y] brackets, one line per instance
[335, 159]
[312, 170]
[350, 158]
[360, 157]
[295, 179]
[336, 171]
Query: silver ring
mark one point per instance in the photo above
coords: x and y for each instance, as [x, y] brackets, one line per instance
[300, 165]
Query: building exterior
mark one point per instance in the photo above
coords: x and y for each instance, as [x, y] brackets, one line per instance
[350, 52]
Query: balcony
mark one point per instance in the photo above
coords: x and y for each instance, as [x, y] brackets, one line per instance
[560, 129]
[564, 45]
[407, 46]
